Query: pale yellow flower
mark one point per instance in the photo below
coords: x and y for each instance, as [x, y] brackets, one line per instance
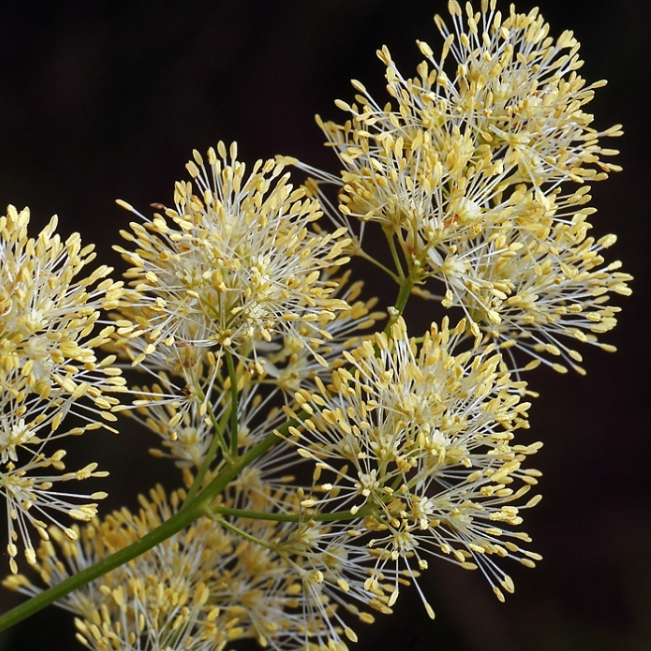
[417, 439]
[534, 292]
[435, 166]
[158, 601]
[520, 91]
[49, 370]
[235, 264]
[290, 366]
[206, 586]
[467, 169]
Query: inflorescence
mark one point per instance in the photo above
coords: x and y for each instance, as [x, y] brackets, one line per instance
[325, 461]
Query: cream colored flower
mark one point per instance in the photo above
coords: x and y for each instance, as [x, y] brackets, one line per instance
[417, 440]
[157, 602]
[235, 264]
[534, 290]
[442, 164]
[290, 366]
[211, 584]
[49, 370]
[467, 170]
[519, 89]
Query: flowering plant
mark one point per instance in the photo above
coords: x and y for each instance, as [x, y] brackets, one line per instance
[324, 460]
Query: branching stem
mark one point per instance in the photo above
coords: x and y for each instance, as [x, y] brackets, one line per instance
[191, 511]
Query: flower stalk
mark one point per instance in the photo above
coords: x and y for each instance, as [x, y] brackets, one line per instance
[192, 511]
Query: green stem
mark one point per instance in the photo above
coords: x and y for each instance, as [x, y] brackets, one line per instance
[243, 534]
[394, 254]
[233, 469]
[286, 517]
[404, 294]
[401, 302]
[234, 397]
[218, 441]
[177, 522]
[184, 517]
[201, 473]
[379, 265]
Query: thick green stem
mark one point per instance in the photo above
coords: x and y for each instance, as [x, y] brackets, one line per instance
[401, 302]
[177, 522]
[232, 470]
[193, 511]
[404, 294]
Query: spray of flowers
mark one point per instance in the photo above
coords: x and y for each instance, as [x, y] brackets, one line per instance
[327, 453]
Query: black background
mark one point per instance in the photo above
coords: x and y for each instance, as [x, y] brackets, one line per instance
[103, 100]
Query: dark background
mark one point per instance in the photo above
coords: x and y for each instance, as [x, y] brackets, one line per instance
[102, 100]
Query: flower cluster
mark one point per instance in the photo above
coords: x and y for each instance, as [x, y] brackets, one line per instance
[175, 408]
[157, 601]
[324, 462]
[469, 170]
[418, 441]
[234, 264]
[204, 587]
[50, 373]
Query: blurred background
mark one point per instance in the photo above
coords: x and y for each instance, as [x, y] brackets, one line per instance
[103, 100]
